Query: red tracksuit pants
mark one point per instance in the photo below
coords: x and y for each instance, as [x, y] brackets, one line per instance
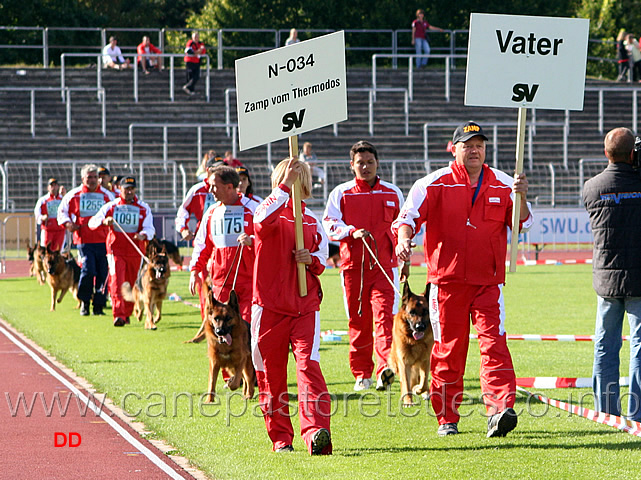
[54, 238]
[452, 306]
[377, 315]
[272, 334]
[122, 269]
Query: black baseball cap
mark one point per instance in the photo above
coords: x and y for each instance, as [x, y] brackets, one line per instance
[215, 162]
[52, 181]
[128, 182]
[103, 171]
[466, 131]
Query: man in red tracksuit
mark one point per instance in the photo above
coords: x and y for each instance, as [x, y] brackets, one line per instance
[281, 317]
[358, 211]
[198, 199]
[193, 50]
[52, 234]
[134, 216]
[224, 227]
[467, 208]
[74, 212]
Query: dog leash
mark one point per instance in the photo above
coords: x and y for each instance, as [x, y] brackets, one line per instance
[144, 257]
[381, 267]
[239, 255]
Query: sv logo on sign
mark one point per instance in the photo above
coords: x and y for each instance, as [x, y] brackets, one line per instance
[522, 91]
[291, 120]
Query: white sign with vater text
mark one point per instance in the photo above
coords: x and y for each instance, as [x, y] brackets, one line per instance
[524, 61]
[291, 90]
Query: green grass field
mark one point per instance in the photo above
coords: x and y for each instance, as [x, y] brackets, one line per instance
[154, 377]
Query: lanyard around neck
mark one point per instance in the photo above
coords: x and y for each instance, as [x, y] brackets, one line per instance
[478, 186]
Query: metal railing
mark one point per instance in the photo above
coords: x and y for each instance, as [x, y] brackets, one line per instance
[531, 127]
[410, 69]
[99, 68]
[165, 128]
[66, 95]
[3, 235]
[601, 91]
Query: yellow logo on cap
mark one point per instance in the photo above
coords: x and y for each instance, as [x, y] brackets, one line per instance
[471, 128]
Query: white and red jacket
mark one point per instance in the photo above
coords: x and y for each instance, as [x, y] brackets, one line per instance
[354, 205]
[465, 243]
[48, 205]
[275, 275]
[81, 204]
[216, 239]
[197, 201]
[133, 217]
[195, 47]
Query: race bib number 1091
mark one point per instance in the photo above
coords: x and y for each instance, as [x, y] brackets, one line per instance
[128, 216]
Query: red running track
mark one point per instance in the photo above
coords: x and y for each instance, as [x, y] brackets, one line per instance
[108, 447]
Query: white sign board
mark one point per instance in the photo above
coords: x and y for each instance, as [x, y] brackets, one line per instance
[291, 90]
[523, 61]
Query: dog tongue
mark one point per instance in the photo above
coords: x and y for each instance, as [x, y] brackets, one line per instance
[418, 335]
[226, 339]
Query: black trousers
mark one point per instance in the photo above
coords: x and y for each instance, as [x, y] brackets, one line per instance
[193, 74]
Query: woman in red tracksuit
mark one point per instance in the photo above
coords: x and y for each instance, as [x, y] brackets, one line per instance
[281, 317]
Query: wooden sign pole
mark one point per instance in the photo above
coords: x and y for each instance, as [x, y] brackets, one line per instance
[516, 208]
[298, 220]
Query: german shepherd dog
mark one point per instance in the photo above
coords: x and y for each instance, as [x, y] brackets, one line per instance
[172, 251]
[412, 342]
[227, 345]
[62, 274]
[150, 288]
[36, 255]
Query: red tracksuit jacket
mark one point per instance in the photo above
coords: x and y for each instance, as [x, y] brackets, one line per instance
[78, 206]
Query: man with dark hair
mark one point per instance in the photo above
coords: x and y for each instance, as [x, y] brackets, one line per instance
[193, 50]
[362, 210]
[52, 234]
[613, 201]
[467, 209]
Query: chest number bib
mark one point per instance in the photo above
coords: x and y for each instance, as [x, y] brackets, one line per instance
[227, 222]
[90, 203]
[128, 216]
[52, 208]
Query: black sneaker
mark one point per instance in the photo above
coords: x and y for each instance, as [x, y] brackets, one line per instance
[84, 309]
[119, 322]
[98, 310]
[501, 424]
[447, 429]
[320, 441]
[285, 449]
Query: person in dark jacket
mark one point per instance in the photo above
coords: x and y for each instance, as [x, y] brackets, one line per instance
[623, 59]
[613, 201]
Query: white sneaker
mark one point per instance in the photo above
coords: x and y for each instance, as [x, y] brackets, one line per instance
[362, 384]
[385, 379]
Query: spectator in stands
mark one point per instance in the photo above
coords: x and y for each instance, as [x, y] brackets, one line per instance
[623, 59]
[318, 174]
[282, 318]
[221, 247]
[52, 234]
[145, 59]
[230, 160]
[634, 54]
[76, 209]
[193, 50]
[467, 209]
[135, 218]
[359, 211]
[112, 56]
[202, 173]
[420, 26]
[293, 37]
[245, 187]
[613, 201]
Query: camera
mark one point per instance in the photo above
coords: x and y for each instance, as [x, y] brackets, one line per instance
[636, 153]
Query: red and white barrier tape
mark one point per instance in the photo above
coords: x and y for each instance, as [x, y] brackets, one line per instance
[562, 382]
[628, 426]
[553, 338]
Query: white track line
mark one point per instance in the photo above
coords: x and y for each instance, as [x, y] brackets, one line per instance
[98, 410]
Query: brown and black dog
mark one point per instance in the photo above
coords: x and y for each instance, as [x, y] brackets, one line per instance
[150, 288]
[227, 345]
[412, 342]
[36, 255]
[172, 250]
[62, 274]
